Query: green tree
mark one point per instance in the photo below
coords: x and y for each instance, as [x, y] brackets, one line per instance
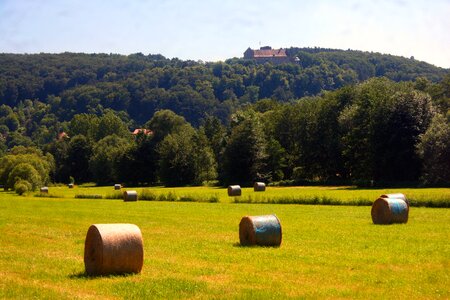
[105, 155]
[78, 155]
[84, 124]
[60, 150]
[110, 124]
[138, 163]
[42, 164]
[176, 164]
[24, 171]
[245, 157]
[434, 150]
[163, 123]
[381, 128]
[205, 164]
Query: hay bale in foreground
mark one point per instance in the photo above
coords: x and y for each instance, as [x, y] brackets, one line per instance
[260, 230]
[259, 187]
[130, 196]
[117, 186]
[396, 196]
[389, 211]
[234, 190]
[113, 249]
[70, 185]
[44, 190]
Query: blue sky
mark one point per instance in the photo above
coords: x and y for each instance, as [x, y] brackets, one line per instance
[216, 30]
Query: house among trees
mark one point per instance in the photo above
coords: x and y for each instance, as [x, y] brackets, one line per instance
[142, 130]
[267, 54]
[62, 135]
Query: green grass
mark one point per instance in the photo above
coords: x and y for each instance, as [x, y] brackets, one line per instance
[430, 197]
[192, 251]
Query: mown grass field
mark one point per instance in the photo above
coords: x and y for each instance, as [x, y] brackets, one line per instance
[192, 250]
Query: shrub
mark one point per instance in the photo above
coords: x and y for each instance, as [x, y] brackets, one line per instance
[87, 196]
[115, 195]
[146, 194]
[26, 172]
[45, 195]
[22, 186]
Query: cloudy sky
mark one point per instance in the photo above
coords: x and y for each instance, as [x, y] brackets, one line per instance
[212, 30]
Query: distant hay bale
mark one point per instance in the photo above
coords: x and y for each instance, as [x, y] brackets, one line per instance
[389, 210]
[117, 186]
[396, 196]
[259, 187]
[44, 190]
[260, 230]
[113, 249]
[70, 185]
[130, 196]
[234, 190]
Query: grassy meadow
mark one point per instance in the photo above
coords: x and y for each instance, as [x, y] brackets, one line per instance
[191, 250]
[433, 197]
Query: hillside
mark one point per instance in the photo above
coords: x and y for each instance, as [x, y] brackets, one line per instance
[72, 83]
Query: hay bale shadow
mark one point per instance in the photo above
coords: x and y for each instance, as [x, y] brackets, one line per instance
[239, 245]
[84, 275]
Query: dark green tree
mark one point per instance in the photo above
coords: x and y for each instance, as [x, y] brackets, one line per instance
[78, 155]
[104, 159]
[245, 156]
[434, 150]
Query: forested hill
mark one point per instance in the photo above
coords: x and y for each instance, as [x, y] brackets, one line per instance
[72, 83]
[369, 64]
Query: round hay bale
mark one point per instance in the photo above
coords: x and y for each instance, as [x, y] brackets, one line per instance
[396, 196]
[260, 230]
[113, 249]
[130, 196]
[259, 187]
[44, 190]
[234, 190]
[117, 186]
[70, 185]
[389, 211]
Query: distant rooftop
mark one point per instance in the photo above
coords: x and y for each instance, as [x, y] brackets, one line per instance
[267, 54]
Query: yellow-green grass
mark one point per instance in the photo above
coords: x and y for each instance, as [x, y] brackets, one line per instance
[438, 197]
[192, 251]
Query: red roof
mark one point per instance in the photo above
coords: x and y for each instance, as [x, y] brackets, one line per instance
[142, 130]
[270, 53]
[62, 135]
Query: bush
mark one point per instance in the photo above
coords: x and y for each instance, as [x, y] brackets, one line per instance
[146, 194]
[86, 196]
[25, 172]
[115, 195]
[22, 186]
[45, 195]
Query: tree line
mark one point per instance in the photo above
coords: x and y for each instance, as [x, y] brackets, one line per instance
[377, 132]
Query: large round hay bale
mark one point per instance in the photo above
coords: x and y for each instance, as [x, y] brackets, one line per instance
[396, 196]
[44, 190]
[259, 187]
[389, 211]
[260, 230]
[113, 249]
[234, 190]
[130, 196]
[117, 186]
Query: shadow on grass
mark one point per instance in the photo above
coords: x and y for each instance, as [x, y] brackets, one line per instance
[84, 275]
[356, 188]
[239, 245]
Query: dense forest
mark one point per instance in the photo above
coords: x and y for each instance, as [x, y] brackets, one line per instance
[335, 116]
